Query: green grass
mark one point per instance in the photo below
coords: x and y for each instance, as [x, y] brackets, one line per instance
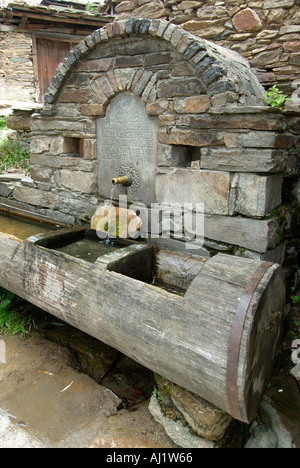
[294, 298]
[13, 155]
[2, 123]
[11, 321]
[91, 8]
[157, 394]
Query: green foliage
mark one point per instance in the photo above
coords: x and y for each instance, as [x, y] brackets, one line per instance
[2, 123]
[13, 155]
[275, 98]
[278, 237]
[90, 7]
[11, 321]
[294, 298]
[157, 394]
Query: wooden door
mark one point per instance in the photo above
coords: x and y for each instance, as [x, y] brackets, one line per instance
[49, 54]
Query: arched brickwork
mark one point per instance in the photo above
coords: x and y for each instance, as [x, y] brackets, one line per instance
[213, 142]
[219, 70]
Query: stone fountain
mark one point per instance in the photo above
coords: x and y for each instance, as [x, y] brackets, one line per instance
[181, 122]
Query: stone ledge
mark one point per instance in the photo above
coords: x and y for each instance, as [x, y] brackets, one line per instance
[35, 197]
[253, 234]
[12, 177]
[244, 160]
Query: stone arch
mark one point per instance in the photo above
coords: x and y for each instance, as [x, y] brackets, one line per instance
[221, 72]
[116, 81]
[215, 144]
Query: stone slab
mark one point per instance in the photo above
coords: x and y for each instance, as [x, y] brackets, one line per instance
[244, 160]
[6, 189]
[205, 419]
[247, 20]
[39, 144]
[179, 433]
[269, 4]
[11, 177]
[77, 181]
[36, 197]
[253, 234]
[257, 195]
[181, 186]
[127, 145]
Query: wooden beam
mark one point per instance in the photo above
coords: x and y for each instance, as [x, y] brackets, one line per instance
[184, 339]
[7, 28]
[52, 36]
[36, 27]
[57, 19]
[24, 21]
[35, 68]
[55, 29]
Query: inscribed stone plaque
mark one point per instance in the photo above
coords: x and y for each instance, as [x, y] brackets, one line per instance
[127, 142]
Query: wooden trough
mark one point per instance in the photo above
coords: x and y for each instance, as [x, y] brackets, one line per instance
[218, 340]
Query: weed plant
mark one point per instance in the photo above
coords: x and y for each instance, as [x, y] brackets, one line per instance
[11, 321]
[13, 155]
[275, 98]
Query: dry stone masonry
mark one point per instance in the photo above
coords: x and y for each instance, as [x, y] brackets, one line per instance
[267, 33]
[16, 70]
[210, 138]
[186, 118]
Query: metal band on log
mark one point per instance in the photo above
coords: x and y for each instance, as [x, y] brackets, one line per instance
[218, 341]
[236, 337]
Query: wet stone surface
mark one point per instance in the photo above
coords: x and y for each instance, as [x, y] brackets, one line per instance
[127, 379]
[87, 355]
[60, 388]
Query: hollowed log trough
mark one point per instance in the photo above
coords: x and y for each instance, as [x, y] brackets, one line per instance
[219, 340]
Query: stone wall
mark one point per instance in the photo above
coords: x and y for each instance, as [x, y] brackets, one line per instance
[16, 70]
[267, 33]
[216, 143]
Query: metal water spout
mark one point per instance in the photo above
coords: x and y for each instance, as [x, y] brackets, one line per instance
[125, 180]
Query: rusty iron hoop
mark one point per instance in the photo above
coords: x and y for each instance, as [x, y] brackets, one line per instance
[236, 338]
